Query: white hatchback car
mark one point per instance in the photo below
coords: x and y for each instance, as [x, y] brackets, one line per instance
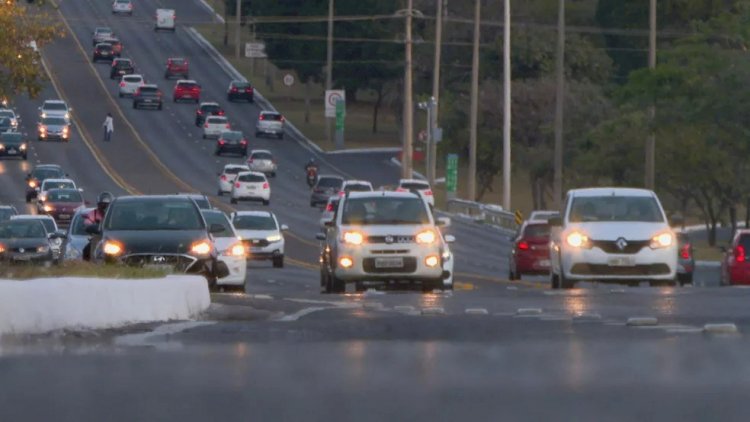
[261, 160]
[612, 235]
[129, 84]
[262, 235]
[122, 6]
[230, 250]
[270, 123]
[251, 185]
[50, 225]
[214, 125]
[408, 185]
[227, 176]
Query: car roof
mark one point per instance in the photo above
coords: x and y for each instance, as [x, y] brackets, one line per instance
[610, 191]
[123, 59]
[254, 213]
[383, 194]
[103, 28]
[47, 166]
[235, 166]
[133, 74]
[191, 195]
[260, 150]
[54, 102]
[330, 176]
[7, 206]
[413, 181]
[32, 217]
[59, 179]
[186, 81]
[357, 182]
[269, 112]
[103, 44]
[209, 103]
[150, 86]
[217, 118]
[256, 173]
[130, 198]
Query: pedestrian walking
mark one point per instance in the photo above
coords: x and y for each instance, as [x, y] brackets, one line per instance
[108, 127]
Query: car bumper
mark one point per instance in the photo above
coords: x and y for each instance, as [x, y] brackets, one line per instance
[366, 265]
[532, 264]
[270, 130]
[232, 148]
[264, 195]
[54, 137]
[264, 169]
[595, 264]
[237, 271]
[6, 152]
[148, 103]
[17, 257]
[270, 251]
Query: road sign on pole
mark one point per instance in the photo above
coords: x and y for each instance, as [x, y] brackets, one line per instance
[288, 79]
[451, 175]
[332, 96]
[255, 50]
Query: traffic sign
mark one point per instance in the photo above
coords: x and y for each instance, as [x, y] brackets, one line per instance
[255, 50]
[519, 217]
[451, 173]
[288, 79]
[332, 97]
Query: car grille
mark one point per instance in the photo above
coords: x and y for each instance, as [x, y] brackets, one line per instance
[181, 263]
[389, 251]
[390, 239]
[410, 265]
[610, 246]
[257, 243]
[607, 270]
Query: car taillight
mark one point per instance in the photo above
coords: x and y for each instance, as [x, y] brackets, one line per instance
[685, 252]
[283, 119]
[200, 112]
[400, 190]
[739, 253]
[261, 117]
[222, 142]
[227, 126]
[234, 89]
[428, 192]
[249, 90]
[223, 177]
[205, 125]
[265, 185]
[243, 142]
[122, 84]
[236, 185]
[220, 113]
[523, 246]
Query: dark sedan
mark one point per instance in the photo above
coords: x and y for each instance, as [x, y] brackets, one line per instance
[165, 231]
[240, 90]
[25, 241]
[231, 142]
[61, 204]
[13, 144]
[121, 67]
[103, 51]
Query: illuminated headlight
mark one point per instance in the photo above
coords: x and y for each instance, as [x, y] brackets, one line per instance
[274, 238]
[48, 208]
[22, 147]
[67, 115]
[354, 238]
[237, 249]
[112, 248]
[2, 147]
[32, 183]
[346, 262]
[432, 261]
[578, 240]
[44, 115]
[2, 248]
[662, 240]
[446, 254]
[42, 249]
[201, 247]
[427, 236]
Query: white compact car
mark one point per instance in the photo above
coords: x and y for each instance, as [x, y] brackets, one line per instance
[262, 161]
[382, 237]
[252, 186]
[165, 19]
[262, 235]
[227, 176]
[122, 6]
[329, 211]
[355, 186]
[129, 84]
[55, 108]
[270, 123]
[50, 226]
[214, 126]
[230, 250]
[48, 184]
[408, 185]
[612, 235]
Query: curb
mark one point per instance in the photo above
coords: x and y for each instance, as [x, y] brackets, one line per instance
[365, 150]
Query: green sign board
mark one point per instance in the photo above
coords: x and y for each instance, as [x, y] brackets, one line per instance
[451, 173]
[340, 114]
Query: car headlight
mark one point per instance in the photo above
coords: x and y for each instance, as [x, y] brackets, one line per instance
[2, 147]
[2, 248]
[354, 238]
[67, 115]
[48, 208]
[446, 254]
[57, 241]
[578, 240]
[44, 115]
[427, 236]
[113, 248]
[274, 238]
[23, 147]
[662, 240]
[42, 249]
[201, 247]
[236, 249]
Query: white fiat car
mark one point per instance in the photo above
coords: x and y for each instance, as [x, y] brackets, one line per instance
[228, 175]
[616, 235]
[230, 250]
[262, 235]
[252, 186]
[214, 125]
[129, 84]
[261, 160]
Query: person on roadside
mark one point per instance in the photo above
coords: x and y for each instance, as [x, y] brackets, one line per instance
[94, 218]
[109, 127]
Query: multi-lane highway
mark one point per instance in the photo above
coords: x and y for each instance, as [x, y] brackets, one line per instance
[490, 350]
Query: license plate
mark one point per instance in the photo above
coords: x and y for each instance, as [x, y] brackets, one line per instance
[148, 101]
[389, 262]
[12, 151]
[64, 216]
[544, 263]
[621, 261]
[159, 267]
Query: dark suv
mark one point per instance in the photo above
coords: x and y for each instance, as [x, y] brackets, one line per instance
[326, 187]
[177, 66]
[121, 67]
[103, 51]
[205, 110]
[231, 141]
[147, 96]
[13, 144]
[240, 90]
[40, 173]
[166, 231]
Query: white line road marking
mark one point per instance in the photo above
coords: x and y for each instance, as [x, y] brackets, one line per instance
[299, 314]
[641, 321]
[433, 310]
[723, 328]
[476, 311]
[587, 317]
[265, 297]
[529, 311]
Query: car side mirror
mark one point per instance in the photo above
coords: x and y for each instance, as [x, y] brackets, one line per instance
[449, 238]
[443, 221]
[555, 222]
[284, 227]
[320, 236]
[93, 229]
[216, 228]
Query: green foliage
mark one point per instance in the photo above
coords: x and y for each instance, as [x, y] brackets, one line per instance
[231, 7]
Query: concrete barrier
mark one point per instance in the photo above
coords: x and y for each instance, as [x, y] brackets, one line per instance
[43, 305]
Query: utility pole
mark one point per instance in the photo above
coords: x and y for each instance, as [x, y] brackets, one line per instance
[651, 141]
[237, 31]
[406, 159]
[506, 107]
[432, 146]
[559, 105]
[329, 62]
[472, 188]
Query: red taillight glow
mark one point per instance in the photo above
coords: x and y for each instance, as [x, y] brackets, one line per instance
[428, 192]
[685, 252]
[243, 142]
[228, 127]
[220, 112]
[236, 185]
[265, 185]
[222, 142]
[523, 246]
[200, 112]
[261, 117]
[205, 125]
[329, 207]
[234, 89]
[739, 253]
[283, 119]
[223, 177]
[122, 83]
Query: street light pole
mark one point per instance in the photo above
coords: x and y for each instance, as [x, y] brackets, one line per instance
[432, 146]
[472, 188]
[406, 159]
[559, 105]
[329, 61]
[237, 31]
[651, 141]
[506, 107]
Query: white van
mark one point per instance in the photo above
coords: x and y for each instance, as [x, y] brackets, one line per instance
[164, 19]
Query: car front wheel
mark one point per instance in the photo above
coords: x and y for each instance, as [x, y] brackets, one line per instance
[278, 261]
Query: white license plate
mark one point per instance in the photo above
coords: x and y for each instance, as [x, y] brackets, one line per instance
[12, 151]
[64, 216]
[544, 263]
[159, 267]
[389, 262]
[621, 261]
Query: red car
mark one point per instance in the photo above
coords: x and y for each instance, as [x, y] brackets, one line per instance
[186, 89]
[530, 253]
[177, 66]
[62, 204]
[735, 266]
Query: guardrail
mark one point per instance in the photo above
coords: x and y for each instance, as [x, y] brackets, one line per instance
[483, 213]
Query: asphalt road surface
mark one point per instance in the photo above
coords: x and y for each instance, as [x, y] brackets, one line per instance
[490, 350]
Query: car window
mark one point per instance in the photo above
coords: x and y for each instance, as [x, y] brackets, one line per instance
[330, 182]
[132, 79]
[240, 85]
[358, 187]
[384, 210]
[48, 224]
[202, 203]
[47, 185]
[189, 85]
[536, 230]
[615, 208]
[6, 213]
[123, 63]
[415, 185]
[232, 136]
[42, 174]
[79, 225]
[153, 215]
[6, 113]
[275, 117]
[19, 229]
[149, 90]
[262, 156]
[254, 222]
[252, 178]
[64, 196]
[217, 120]
[234, 170]
[56, 121]
[222, 220]
[55, 106]
[211, 108]
[177, 62]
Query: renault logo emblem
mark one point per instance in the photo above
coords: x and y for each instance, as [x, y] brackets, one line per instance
[21, 250]
[389, 239]
[160, 259]
[621, 244]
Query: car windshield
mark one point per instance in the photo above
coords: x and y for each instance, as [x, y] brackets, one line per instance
[262, 156]
[216, 120]
[187, 85]
[64, 195]
[54, 121]
[104, 46]
[217, 217]
[202, 203]
[210, 108]
[536, 230]
[7, 113]
[358, 187]
[123, 63]
[153, 214]
[55, 106]
[241, 85]
[11, 138]
[232, 136]
[384, 210]
[57, 185]
[132, 79]
[6, 213]
[5, 121]
[22, 229]
[415, 185]
[177, 62]
[255, 222]
[330, 182]
[152, 92]
[42, 174]
[252, 178]
[103, 31]
[615, 208]
[273, 116]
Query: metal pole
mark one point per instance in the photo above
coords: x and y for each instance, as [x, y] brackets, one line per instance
[329, 62]
[506, 107]
[406, 165]
[651, 141]
[472, 188]
[432, 146]
[559, 105]
[237, 31]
